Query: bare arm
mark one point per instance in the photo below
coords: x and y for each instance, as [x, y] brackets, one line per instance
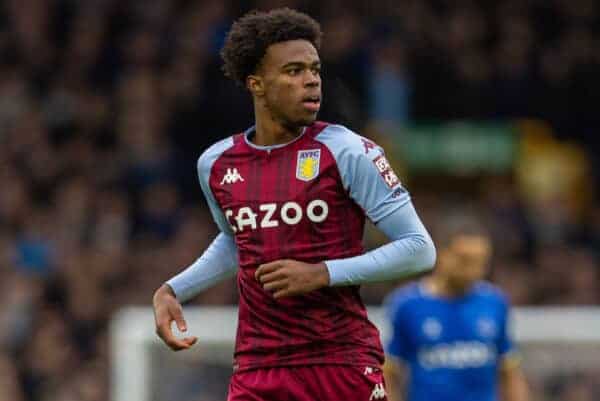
[513, 385]
[395, 374]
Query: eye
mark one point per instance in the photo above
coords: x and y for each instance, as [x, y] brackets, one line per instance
[294, 71]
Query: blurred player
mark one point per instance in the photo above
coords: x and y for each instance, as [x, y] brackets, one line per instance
[449, 331]
[290, 196]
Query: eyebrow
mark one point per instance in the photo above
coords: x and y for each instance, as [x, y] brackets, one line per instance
[300, 64]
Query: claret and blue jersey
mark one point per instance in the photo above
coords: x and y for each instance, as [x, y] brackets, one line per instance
[305, 200]
[452, 347]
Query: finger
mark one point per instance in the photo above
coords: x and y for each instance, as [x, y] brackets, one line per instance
[268, 277]
[163, 330]
[179, 345]
[284, 292]
[173, 342]
[191, 340]
[267, 268]
[177, 313]
[183, 343]
[275, 285]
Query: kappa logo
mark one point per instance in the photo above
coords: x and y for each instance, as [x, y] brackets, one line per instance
[232, 176]
[307, 166]
[378, 392]
[368, 145]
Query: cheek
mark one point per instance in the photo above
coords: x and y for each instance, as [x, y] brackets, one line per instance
[288, 86]
[279, 94]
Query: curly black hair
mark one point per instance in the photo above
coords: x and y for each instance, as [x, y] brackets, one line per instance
[253, 33]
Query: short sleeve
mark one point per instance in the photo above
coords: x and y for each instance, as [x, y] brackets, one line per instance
[365, 172]
[205, 164]
[505, 341]
[398, 343]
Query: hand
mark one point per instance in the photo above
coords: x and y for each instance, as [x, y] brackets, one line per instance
[290, 277]
[166, 310]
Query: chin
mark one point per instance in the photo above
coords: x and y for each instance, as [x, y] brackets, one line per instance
[302, 122]
[463, 285]
[308, 120]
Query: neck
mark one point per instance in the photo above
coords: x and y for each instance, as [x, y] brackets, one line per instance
[442, 287]
[269, 131]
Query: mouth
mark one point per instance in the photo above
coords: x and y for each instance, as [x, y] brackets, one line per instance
[312, 103]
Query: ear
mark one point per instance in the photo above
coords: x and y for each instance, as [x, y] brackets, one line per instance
[255, 85]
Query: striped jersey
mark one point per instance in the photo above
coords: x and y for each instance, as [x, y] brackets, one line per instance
[306, 200]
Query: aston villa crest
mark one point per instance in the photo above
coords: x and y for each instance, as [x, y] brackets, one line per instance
[307, 166]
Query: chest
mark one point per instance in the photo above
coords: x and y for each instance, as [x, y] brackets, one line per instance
[443, 323]
[263, 190]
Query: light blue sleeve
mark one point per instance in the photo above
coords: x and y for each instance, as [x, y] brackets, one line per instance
[218, 262]
[411, 251]
[365, 172]
[205, 164]
[372, 184]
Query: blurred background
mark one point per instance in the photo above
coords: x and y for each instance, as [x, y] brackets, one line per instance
[485, 107]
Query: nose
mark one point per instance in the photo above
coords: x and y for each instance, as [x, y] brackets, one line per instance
[312, 79]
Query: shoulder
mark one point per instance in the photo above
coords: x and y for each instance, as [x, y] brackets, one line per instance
[343, 142]
[210, 155]
[491, 293]
[401, 298]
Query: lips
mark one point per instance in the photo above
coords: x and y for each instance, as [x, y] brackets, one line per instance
[312, 103]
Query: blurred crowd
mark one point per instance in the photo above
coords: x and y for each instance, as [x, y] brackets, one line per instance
[105, 106]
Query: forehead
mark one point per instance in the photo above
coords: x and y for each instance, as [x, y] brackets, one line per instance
[282, 53]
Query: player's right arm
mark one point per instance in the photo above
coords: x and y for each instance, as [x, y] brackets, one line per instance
[218, 262]
[394, 372]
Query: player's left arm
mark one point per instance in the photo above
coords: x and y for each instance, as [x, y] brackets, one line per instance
[373, 185]
[409, 253]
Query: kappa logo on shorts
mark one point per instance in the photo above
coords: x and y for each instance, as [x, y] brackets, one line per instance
[307, 166]
[378, 392]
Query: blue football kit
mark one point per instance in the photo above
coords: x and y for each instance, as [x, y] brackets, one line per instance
[453, 347]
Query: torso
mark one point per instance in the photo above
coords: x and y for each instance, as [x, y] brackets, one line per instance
[289, 202]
